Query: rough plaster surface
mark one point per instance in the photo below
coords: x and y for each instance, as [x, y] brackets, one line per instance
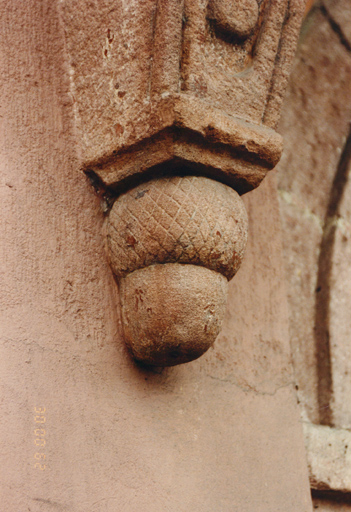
[221, 433]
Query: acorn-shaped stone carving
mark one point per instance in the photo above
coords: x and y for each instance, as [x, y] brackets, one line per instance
[174, 243]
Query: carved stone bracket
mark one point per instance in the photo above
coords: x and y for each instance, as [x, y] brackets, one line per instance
[176, 102]
[174, 243]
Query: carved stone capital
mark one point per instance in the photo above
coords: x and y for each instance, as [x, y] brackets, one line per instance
[176, 103]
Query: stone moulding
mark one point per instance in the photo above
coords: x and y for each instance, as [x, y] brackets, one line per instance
[188, 133]
[176, 103]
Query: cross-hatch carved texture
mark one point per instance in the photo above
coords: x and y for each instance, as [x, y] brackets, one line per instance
[178, 219]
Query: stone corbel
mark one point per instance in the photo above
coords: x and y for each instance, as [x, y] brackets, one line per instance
[176, 103]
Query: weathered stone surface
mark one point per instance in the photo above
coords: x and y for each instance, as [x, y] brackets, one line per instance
[172, 313]
[315, 124]
[303, 232]
[211, 66]
[339, 14]
[315, 205]
[207, 105]
[315, 115]
[190, 220]
[181, 219]
[329, 457]
[172, 103]
[196, 138]
[339, 280]
[234, 18]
